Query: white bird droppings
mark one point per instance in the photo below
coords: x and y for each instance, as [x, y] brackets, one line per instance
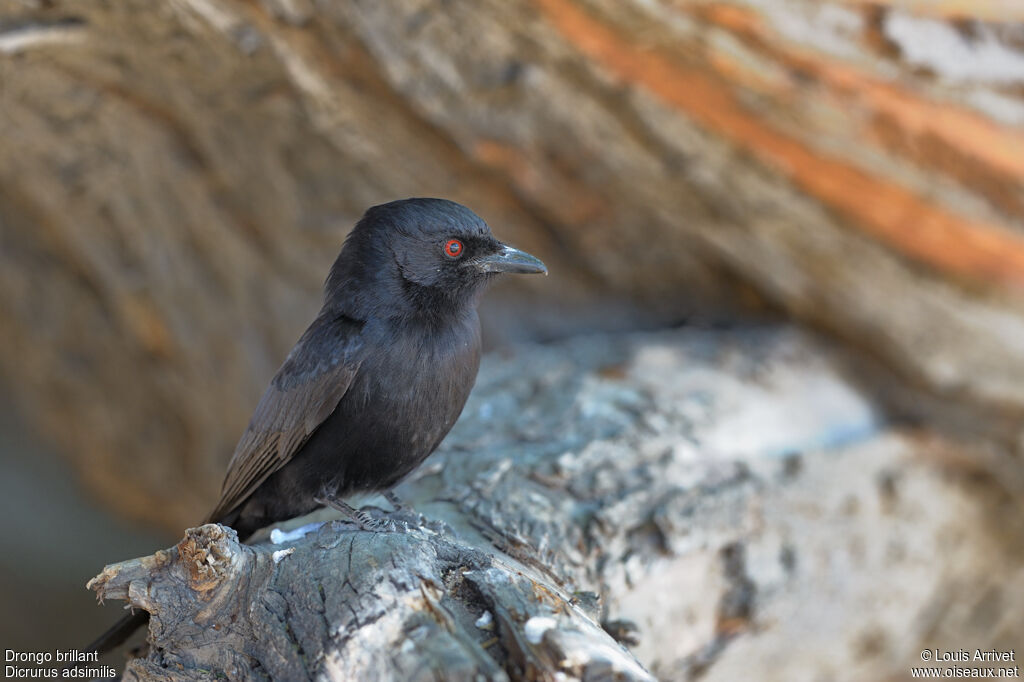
[279, 537]
[536, 627]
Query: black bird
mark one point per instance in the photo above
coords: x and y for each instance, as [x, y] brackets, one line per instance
[377, 380]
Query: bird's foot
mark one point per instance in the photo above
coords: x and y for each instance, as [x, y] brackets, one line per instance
[383, 525]
[363, 519]
[396, 501]
[403, 519]
[414, 519]
[404, 513]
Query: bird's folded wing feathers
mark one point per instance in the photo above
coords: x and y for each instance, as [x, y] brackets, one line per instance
[303, 393]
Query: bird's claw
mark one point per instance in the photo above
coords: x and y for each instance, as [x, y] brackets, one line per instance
[402, 520]
[379, 524]
[385, 526]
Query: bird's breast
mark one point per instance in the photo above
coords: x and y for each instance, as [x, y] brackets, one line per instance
[407, 395]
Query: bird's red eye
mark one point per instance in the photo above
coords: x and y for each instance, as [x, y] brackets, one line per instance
[453, 248]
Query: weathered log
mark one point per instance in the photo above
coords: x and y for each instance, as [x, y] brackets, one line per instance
[711, 498]
[175, 180]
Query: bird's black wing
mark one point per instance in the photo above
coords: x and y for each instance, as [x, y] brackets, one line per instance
[303, 393]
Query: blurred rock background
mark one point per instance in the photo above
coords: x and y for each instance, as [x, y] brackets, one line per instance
[176, 178]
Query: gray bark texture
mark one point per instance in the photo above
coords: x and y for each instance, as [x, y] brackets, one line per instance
[724, 503]
[176, 177]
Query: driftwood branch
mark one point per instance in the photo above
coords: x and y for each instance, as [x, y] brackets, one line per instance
[356, 605]
[696, 494]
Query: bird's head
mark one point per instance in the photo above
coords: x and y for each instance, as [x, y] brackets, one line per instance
[426, 253]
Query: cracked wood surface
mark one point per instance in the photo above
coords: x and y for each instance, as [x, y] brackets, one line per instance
[707, 497]
[176, 179]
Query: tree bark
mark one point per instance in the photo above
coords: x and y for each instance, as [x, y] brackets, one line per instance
[710, 498]
[175, 181]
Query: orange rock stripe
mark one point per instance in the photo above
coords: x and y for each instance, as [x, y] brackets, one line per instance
[889, 212]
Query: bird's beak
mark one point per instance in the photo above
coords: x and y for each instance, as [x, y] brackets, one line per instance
[507, 259]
